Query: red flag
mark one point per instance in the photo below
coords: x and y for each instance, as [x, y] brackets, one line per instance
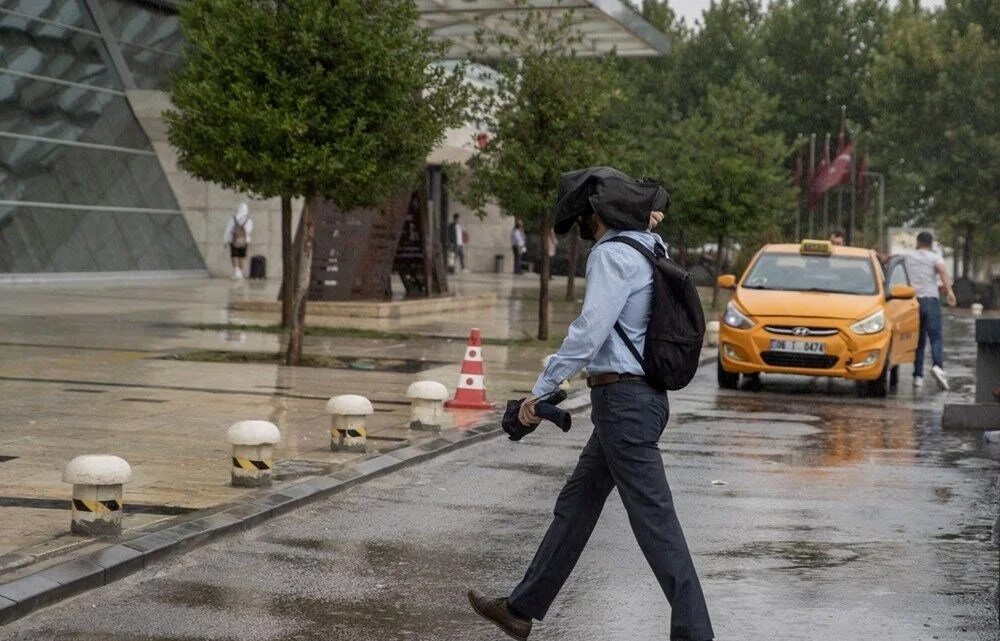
[862, 184]
[837, 172]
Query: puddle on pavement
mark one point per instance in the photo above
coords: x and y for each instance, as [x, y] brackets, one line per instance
[535, 469]
[797, 555]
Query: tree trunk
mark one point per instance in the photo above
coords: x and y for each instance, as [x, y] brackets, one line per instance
[294, 354]
[543, 292]
[718, 271]
[682, 255]
[287, 263]
[574, 251]
[967, 250]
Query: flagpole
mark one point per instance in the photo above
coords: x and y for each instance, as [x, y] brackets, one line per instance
[854, 203]
[812, 177]
[826, 194]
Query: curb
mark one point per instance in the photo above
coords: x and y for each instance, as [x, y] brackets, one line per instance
[20, 597]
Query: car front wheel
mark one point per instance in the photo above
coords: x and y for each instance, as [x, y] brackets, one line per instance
[727, 380]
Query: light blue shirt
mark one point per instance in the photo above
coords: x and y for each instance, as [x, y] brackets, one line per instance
[619, 288]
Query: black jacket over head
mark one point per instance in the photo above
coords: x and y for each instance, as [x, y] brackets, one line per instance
[621, 201]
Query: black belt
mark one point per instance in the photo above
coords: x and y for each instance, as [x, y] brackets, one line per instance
[607, 379]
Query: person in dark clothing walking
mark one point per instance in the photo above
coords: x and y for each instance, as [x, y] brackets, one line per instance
[629, 416]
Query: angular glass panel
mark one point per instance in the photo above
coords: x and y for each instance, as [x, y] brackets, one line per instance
[150, 68]
[66, 112]
[144, 24]
[36, 239]
[59, 53]
[48, 172]
[68, 12]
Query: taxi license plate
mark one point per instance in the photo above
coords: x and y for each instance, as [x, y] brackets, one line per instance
[806, 347]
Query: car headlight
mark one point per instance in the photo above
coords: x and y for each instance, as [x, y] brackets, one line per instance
[871, 324]
[735, 318]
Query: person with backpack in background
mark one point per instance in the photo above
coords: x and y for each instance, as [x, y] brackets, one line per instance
[629, 413]
[237, 238]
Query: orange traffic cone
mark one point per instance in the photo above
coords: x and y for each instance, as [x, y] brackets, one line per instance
[471, 391]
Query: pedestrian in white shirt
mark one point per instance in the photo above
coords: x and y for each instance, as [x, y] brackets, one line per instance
[237, 238]
[456, 236]
[518, 244]
[924, 267]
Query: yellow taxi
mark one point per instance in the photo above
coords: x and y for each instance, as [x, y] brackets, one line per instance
[819, 310]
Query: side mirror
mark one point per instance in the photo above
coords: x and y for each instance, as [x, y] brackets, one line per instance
[902, 292]
[726, 281]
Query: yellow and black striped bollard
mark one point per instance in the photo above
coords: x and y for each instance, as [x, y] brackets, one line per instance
[98, 482]
[252, 462]
[348, 419]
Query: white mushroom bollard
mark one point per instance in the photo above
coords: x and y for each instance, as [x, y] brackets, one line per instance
[349, 414]
[252, 443]
[97, 493]
[977, 309]
[426, 405]
[712, 333]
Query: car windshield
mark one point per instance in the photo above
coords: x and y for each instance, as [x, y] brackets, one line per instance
[798, 273]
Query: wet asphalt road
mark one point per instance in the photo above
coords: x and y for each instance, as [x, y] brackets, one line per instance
[840, 519]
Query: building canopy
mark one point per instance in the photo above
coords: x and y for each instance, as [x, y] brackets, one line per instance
[606, 25]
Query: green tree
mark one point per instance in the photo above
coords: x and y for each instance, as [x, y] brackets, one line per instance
[817, 55]
[938, 128]
[309, 98]
[725, 167]
[550, 113]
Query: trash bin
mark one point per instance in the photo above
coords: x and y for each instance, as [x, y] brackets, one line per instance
[498, 263]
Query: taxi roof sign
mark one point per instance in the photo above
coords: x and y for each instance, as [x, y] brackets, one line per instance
[820, 247]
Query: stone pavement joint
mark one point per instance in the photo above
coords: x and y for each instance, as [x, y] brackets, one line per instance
[22, 596]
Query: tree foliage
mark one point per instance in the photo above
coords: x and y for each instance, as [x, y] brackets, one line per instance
[309, 98]
[550, 112]
[305, 97]
[937, 127]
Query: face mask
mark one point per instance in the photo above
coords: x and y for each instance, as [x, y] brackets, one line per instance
[586, 227]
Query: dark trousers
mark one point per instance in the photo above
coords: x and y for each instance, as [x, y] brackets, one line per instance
[517, 259]
[622, 452]
[930, 331]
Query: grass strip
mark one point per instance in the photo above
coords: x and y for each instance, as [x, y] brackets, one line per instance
[354, 332]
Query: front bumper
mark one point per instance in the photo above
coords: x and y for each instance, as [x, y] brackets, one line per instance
[844, 355]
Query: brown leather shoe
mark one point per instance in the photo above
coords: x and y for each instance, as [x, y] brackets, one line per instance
[497, 611]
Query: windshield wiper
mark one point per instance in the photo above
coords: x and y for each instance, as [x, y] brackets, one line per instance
[828, 291]
[755, 287]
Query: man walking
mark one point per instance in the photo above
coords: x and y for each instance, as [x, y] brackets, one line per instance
[924, 266]
[518, 243]
[457, 239]
[628, 416]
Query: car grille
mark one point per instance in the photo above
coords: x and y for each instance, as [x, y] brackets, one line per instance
[789, 330]
[791, 359]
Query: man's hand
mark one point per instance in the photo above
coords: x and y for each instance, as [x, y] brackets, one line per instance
[952, 301]
[655, 218]
[527, 412]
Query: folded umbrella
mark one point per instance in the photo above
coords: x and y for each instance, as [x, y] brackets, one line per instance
[621, 201]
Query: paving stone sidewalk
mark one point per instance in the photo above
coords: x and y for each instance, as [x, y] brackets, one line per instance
[88, 368]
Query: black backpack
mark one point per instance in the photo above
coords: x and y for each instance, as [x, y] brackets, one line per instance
[676, 323]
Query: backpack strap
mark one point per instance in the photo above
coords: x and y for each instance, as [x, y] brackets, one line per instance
[629, 344]
[639, 247]
[651, 257]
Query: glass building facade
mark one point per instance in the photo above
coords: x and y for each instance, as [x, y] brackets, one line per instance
[81, 188]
